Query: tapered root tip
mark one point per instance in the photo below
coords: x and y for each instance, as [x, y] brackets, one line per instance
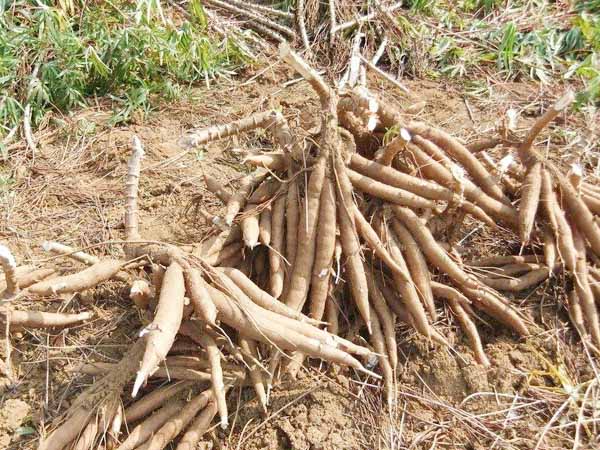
[370, 373]
[140, 379]
[224, 422]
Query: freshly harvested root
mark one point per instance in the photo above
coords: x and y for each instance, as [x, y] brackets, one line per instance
[80, 281]
[199, 296]
[251, 356]
[424, 188]
[584, 291]
[148, 403]
[276, 249]
[556, 216]
[497, 261]
[37, 319]
[459, 152]
[271, 332]
[292, 211]
[178, 422]
[272, 161]
[449, 175]
[484, 144]
[370, 236]
[307, 232]
[77, 255]
[310, 202]
[263, 299]
[510, 270]
[526, 281]
[457, 302]
[385, 319]
[350, 242]
[550, 253]
[251, 227]
[103, 393]
[417, 266]
[264, 230]
[494, 307]
[388, 193]
[324, 252]
[530, 198]
[431, 249]
[406, 286]
[198, 427]
[216, 376]
[378, 342]
[238, 199]
[146, 429]
[160, 334]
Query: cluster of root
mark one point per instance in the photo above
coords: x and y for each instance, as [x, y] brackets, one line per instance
[328, 236]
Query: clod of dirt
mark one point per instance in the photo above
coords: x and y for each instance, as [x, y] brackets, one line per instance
[12, 415]
[321, 420]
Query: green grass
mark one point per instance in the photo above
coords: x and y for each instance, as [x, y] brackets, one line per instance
[530, 40]
[81, 50]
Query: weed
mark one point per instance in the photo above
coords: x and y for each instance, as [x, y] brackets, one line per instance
[55, 55]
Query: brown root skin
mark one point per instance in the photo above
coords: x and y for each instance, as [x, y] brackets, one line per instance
[579, 213]
[307, 232]
[213, 185]
[492, 306]
[216, 376]
[457, 301]
[262, 298]
[530, 198]
[526, 281]
[199, 297]
[497, 261]
[104, 392]
[584, 291]
[292, 214]
[276, 250]
[144, 406]
[77, 282]
[560, 226]
[484, 144]
[198, 428]
[239, 197]
[417, 266]
[269, 331]
[378, 341]
[458, 151]
[425, 188]
[432, 251]
[143, 431]
[37, 319]
[410, 297]
[160, 334]
[386, 192]
[178, 422]
[436, 171]
[324, 252]
[251, 356]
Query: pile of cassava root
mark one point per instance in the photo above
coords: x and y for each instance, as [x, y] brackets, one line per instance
[329, 235]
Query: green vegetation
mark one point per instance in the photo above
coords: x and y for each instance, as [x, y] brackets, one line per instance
[536, 39]
[56, 55]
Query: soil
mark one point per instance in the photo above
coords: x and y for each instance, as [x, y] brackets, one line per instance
[73, 193]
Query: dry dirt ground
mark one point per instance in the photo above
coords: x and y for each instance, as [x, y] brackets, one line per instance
[72, 191]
